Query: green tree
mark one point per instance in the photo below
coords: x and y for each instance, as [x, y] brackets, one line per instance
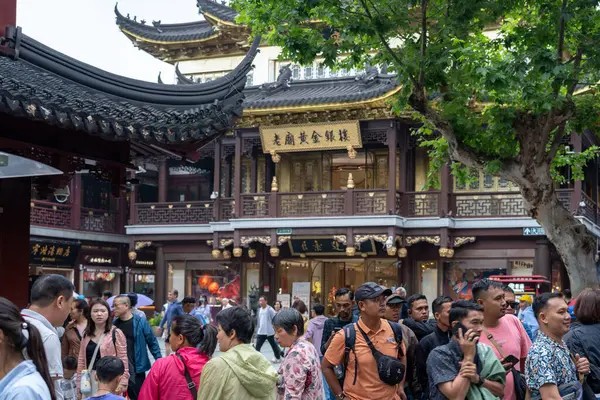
[497, 85]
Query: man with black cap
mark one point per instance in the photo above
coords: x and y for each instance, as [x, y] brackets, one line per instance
[364, 381]
[393, 308]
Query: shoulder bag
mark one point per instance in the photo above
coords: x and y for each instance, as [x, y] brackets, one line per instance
[520, 383]
[190, 383]
[93, 378]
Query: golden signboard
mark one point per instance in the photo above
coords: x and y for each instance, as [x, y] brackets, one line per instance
[310, 137]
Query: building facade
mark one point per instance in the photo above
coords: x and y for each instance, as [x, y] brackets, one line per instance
[321, 186]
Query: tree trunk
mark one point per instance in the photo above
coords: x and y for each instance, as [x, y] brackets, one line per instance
[575, 244]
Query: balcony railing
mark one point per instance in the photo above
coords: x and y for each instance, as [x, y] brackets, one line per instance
[193, 212]
[335, 203]
[66, 216]
[52, 215]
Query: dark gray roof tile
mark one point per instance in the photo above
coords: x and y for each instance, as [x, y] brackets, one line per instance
[217, 9]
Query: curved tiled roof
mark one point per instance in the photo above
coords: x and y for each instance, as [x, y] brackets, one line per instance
[320, 91]
[189, 31]
[215, 8]
[40, 83]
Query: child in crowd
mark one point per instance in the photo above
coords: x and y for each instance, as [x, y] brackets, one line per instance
[69, 383]
[108, 372]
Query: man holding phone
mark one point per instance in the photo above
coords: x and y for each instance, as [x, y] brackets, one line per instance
[503, 332]
[464, 369]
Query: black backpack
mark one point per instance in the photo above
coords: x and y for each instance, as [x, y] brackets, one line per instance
[350, 340]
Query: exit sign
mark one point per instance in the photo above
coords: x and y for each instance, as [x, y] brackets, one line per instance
[284, 231]
[534, 232]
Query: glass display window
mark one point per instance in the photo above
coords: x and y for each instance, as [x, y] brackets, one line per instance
[460, 276]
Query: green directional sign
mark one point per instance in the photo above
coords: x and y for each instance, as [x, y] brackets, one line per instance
[284, 231]
[534, 232]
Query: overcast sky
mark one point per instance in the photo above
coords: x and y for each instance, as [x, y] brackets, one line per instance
[86, 30]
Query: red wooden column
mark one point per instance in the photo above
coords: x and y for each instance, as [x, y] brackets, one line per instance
[445, 190]
[163, 172]
[237, 175]
[133, 198]
[76, 200]
[391, 141]
[8, 14]
[217, 181]
[15, 198]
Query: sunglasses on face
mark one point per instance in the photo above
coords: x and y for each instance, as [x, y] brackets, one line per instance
[512, 304]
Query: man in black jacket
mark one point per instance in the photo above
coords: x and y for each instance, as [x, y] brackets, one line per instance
[418, 314]
[439, 337]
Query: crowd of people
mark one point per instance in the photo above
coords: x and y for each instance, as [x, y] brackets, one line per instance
[381, 344]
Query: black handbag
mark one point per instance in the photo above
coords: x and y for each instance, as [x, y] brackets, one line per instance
[520, 384]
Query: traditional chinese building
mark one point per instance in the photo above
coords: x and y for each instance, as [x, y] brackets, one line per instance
[91, 128]
[320, 187]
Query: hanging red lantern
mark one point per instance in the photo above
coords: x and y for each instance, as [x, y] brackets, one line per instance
[204, 281]
[213, 288]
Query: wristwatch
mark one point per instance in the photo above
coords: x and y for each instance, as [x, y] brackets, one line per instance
[340, 396]
[480, 382]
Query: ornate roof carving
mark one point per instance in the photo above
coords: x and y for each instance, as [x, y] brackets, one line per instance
[216, 10]
[40, 83]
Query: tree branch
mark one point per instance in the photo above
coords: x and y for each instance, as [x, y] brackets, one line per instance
[387, 46]
[576, 70]
[561, 42]
[423, 42]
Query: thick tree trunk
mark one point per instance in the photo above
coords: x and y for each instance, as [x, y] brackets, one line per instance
[575, 244]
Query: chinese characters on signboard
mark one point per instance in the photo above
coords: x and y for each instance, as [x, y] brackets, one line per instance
[323, 136]
[53, 253]
[326, 246]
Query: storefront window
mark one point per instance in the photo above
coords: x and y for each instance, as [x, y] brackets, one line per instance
[94, 283]
[143, 283]
[429, 279]
[384, 272]
[522, 268]
[221, 282]
[252, 284]
[460, 276]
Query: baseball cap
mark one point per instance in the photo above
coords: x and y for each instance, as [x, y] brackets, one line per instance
[526, 298]
[371, 290]
[394, 299]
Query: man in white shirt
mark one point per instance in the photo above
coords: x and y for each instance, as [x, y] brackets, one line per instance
[264, 328]
[51, 298]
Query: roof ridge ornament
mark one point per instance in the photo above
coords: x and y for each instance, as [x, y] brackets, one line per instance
[10, 43]
[369, 77]
[181, 78]
[282, 83]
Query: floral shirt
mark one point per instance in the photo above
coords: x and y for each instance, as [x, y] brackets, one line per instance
[300, 373]
[548, 362]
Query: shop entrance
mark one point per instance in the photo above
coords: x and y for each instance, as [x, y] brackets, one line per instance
[326, 276]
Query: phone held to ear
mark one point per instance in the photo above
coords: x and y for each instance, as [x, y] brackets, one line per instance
[458, 326]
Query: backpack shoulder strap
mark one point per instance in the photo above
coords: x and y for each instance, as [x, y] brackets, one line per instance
[188, 378]
[349, 341]
[398, 336]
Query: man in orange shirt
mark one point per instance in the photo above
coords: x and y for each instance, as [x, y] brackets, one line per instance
[370, 299]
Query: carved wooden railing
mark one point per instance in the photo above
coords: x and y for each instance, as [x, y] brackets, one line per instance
[226, 208]
[564, 195]
[311, 204]
[94, 220]
[255, 205]
[474, 205]
[52, 215]
[193, 212]
[421, 204]
[371, 202]
[590, 210]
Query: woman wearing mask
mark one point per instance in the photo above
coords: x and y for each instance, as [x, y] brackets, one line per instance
[19, 378]
[74, 331]
[101, 339]
[584, 338]
[203, 310]
[193, 345]
[297, 383]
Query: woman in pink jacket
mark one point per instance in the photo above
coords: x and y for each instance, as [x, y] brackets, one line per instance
[113, 342]
[192, 345]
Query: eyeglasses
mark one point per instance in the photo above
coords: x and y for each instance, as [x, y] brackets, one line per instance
[512, 304]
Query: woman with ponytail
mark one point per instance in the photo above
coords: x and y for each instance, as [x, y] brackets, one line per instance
[23, 367]
[193, 345]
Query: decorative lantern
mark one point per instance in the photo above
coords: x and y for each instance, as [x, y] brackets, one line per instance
[391, 251]
[216, 253]
[351, 152]
[402, 253]
[450, 253]
[132, 255]
[274, 251]
[237, 252]
[204, 281]
[443, 252]
[275, 157]
[252, 253]
[227, 254]
[350, 184]
[213, 288]
[350, 251]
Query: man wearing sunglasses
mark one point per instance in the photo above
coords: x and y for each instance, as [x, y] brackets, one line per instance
[509, 297]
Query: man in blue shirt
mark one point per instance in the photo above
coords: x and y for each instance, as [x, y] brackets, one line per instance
[174, 310]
